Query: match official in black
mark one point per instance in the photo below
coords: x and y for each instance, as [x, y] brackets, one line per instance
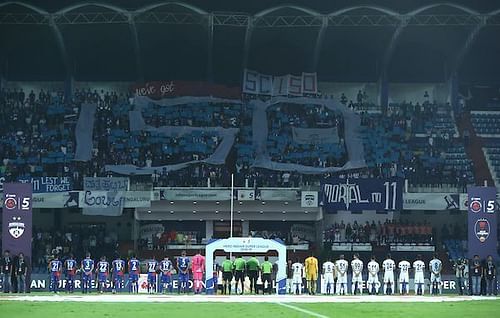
[6, 271]
[490, 273]
[21, 269]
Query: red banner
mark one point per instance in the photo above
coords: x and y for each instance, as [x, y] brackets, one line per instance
[166, 89]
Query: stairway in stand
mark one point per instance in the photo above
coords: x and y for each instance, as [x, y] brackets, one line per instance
[473, 148]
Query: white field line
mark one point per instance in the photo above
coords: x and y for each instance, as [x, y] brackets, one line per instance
[305, 311]
[122, 298]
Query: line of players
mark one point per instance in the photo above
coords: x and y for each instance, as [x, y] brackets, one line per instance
[335, 274]
[158, 273]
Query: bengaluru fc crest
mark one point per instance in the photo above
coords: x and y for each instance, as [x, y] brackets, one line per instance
[482, 229]
[16, 228]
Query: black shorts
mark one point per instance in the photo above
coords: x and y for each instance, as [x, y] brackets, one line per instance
[238, 275]
[266, 277]
[227, 276]
[253, 274]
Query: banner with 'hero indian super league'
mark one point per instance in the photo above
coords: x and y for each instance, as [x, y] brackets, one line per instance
[482, 222]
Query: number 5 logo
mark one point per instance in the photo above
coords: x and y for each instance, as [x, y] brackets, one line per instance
[25, 204]
[490, 207]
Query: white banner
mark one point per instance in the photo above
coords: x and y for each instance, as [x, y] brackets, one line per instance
[194, 194]
[246, 195]
[100, 200]
[262, 84]
[278, 195]
[434, 201]
[309, 199]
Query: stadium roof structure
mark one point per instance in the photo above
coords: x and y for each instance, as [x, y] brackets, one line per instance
[196, 40]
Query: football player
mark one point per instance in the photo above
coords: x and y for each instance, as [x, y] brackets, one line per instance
[198, 268]
[166, 275]
[102, 274]
[435, 266]
[341, 266]
[404, 277]
[373, 282]
[298, 273]
[328, 276]
[419, 267]
[55, 268]
[183, 268]
[152, 268]
[118, 266]
[134, 269]
[311, 269]
[388, 265]
[357, 276]
[87, 267]
[70, 268]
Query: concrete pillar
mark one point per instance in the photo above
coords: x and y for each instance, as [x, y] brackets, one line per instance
[245, 228]
[209, 229]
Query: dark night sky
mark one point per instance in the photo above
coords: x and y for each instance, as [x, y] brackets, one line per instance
[106, 52]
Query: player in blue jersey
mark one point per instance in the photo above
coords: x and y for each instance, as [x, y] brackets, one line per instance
[102, 271]
[152, 268]
[134, 269]
[70, 268]
[166, 275]
[87, 267]
[183, 268]
[55, 268]
[118, 266]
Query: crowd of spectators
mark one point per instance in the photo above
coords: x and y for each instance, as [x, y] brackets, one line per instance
[416, 141]
[390, 231]
[73, 239]
[282, 145]
[409, 141]
[159, 241]
[36, 133]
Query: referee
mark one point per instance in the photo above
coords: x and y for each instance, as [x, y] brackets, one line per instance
[227, 274]
[253, 272]
[239, 273]
[267, 269]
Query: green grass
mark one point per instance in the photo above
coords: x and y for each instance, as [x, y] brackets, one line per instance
[19, 309]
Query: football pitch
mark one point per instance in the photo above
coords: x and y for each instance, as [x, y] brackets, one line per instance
[124, 306]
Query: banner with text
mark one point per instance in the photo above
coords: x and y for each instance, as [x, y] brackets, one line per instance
[103, 196]
[194, 194]
[17, 219]
[49, 184]
[256, 83]
[435, 201]
[482, 222]
[362, 194]
[165, 89]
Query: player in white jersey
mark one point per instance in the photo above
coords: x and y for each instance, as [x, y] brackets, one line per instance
[373, 284]
[357, 276]
[298, 273]
[388, 265]
[435, 266]
[404, 277]
[328, 276]
[341, 266]
[419, 267]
